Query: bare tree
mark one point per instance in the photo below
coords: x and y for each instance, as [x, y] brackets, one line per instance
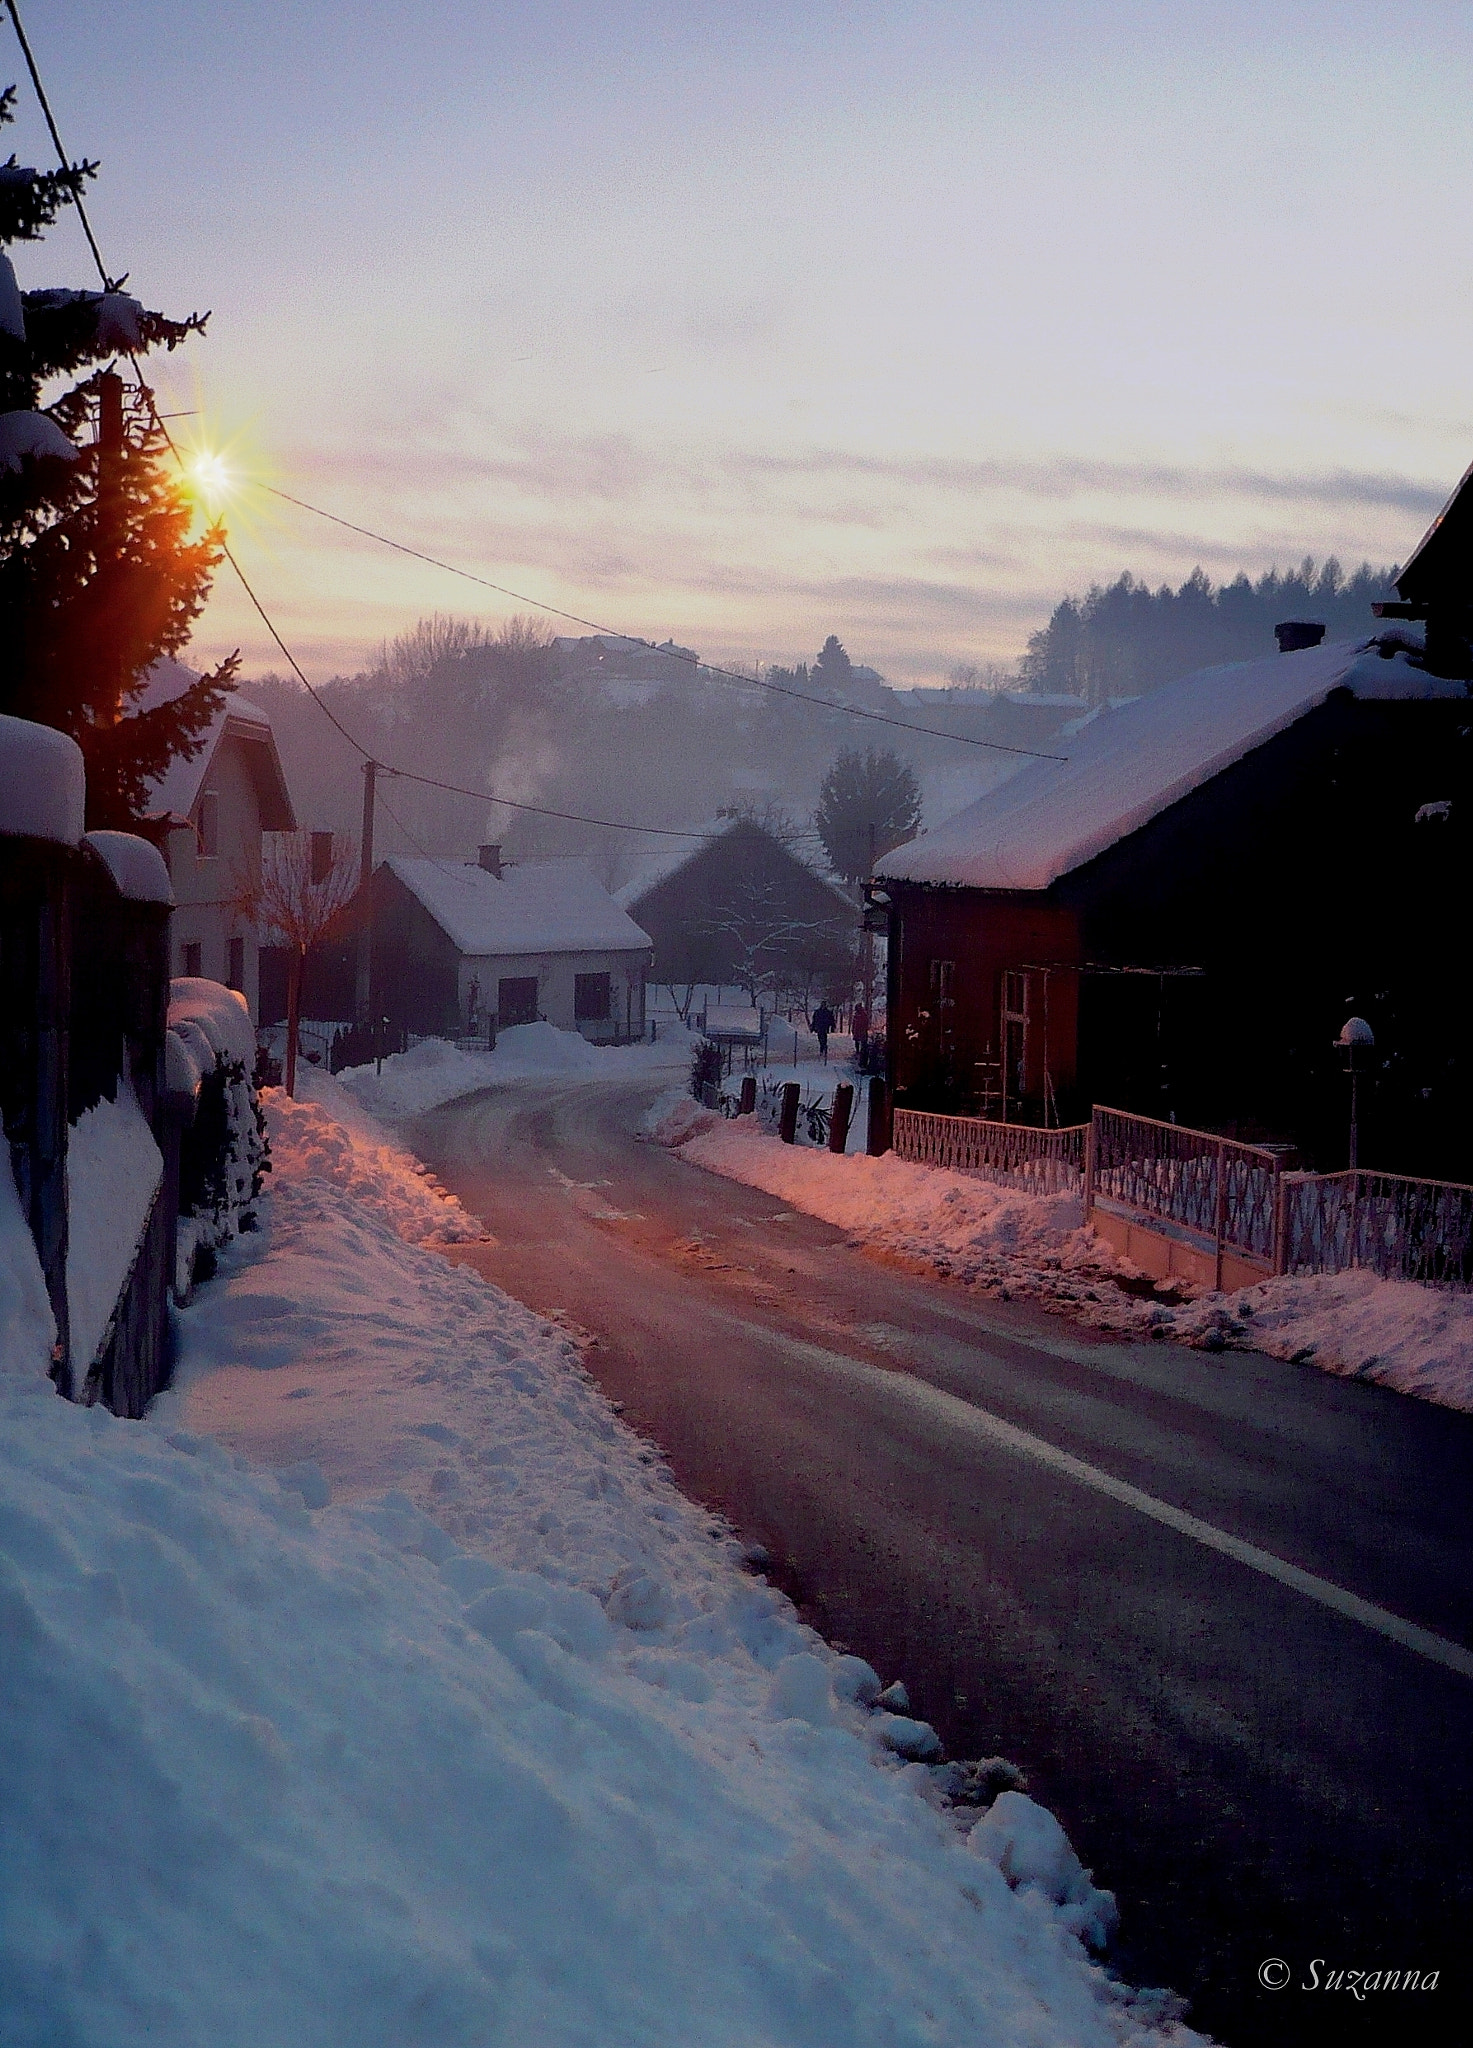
[307, 881]
[770, 948]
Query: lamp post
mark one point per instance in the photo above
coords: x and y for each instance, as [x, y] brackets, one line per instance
[1356, 1042]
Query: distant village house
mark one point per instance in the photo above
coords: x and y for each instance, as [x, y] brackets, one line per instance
[460, 946]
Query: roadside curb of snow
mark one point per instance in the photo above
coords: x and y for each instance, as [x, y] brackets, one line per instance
[1411, 1338]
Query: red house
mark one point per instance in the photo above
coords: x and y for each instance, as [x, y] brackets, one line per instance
[1177, 914]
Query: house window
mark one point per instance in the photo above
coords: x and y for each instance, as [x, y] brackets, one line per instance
[591, 998]
[237, 964]
[189, 958]
[516, 1000]
[208, 828]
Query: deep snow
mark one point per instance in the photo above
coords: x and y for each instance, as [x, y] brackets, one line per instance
[462, 1726]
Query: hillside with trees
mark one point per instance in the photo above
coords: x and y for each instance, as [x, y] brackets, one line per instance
[1124, 639]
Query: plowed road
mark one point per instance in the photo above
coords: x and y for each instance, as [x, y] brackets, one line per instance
[1219, 1608]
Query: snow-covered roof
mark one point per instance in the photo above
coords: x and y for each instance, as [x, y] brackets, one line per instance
[138, 869]
[544, 906]
[43, 783]
[177, 790]
[1128, 765]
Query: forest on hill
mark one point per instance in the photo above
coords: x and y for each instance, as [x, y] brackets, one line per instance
[1124, 639]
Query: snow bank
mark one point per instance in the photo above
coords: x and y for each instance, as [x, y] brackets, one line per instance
[952, 1222]
[675, 1117]
[511, 1751]
[113, 1171]
[1395, 1332]
[323, 1135]
[435, 1071]
[43, 782]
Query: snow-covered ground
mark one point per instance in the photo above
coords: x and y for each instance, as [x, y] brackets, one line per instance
[435, 1071]
[459, 1724]
[1399, 1334]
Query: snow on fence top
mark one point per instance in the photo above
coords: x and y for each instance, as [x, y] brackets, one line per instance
[43, 784]
[137, 868]
[199, 1008]
[544, 906]
[1128, 765]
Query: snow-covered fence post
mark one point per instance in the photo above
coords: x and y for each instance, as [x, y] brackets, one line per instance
[787, 1127]
[748, 1102]
[839, 1117]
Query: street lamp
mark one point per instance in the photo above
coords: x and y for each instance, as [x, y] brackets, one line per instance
[1356, 1042]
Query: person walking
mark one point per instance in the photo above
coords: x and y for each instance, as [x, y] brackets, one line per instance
[821, 1023]
[859, 1023]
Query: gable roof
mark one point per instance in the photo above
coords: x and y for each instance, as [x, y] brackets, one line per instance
[177, 790]
[1128, 765]
[545, 906]
[1441, 564]
[666, 861]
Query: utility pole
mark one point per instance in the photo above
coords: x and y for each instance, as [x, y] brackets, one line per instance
[869, 944]
[363, 989]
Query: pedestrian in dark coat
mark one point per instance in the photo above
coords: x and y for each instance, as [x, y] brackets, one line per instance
[860, 1025]
[821, 1023]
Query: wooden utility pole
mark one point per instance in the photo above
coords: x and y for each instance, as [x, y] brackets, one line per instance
[363, 989]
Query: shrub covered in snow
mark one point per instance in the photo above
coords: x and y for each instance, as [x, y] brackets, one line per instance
[224, 1153]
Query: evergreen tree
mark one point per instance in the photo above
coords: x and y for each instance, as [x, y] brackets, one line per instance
[868, 805]
[833, 671]
[99, 573]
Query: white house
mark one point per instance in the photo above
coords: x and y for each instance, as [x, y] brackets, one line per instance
[207, 816]
[458, 944]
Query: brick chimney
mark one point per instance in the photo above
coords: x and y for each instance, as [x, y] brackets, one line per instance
[490, 858]
[1296, 633]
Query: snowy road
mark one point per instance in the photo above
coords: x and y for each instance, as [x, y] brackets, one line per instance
[1219, 1607]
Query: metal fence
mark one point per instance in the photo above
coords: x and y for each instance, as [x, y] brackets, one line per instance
[1210, 1186]
[1389, 1223]
[1043, 1162]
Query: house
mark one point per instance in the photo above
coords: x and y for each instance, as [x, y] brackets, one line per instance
[740, 907]
[1177, 918]
[460, 944]
[206, 816]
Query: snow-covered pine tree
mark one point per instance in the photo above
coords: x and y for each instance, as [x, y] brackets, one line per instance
[100, 574]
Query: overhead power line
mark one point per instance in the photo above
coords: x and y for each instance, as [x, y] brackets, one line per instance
[727, 675]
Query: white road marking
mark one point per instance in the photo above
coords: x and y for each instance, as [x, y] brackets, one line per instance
[991, 1429]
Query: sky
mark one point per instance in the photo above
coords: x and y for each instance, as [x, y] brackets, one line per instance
[755, 323]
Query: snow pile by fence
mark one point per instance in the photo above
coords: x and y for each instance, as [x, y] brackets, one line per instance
[540, 1764]
[435, 1071]
[953, 1222]
[1417, 1339]
[323, 1135]
[224, 1153]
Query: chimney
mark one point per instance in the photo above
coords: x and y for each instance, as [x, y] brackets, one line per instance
[1296, 633]
[490, 856]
